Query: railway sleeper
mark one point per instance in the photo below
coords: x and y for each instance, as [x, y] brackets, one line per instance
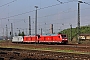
[3, 52]
[2, 58]
[18, 53]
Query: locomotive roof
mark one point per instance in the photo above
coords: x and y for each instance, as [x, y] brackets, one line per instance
[49, 34]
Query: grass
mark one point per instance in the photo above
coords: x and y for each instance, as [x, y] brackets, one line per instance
[42, 49]
[2, 41]
[46, 49]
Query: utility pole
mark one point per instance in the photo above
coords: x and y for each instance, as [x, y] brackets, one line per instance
[3, 33]
[51, 28]
[71, 32]
[78, 27]
[26, 31]
[36, 20]
[6, 32]
[41, 31]
[11, 30]
[29, 26]
[19, 32]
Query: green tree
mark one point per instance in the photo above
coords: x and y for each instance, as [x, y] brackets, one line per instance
[83, 30]
[21, 34]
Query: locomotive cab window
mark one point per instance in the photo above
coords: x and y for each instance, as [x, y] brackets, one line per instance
[59, 36]
[63, 36]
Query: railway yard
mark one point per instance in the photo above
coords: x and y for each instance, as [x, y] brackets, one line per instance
[45, 30]
[15, 51]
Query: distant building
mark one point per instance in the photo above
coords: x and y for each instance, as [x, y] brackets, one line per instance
[84, 37]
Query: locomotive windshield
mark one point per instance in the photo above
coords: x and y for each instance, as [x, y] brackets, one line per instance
[63, 36]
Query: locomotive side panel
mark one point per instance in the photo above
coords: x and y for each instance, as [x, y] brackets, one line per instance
[57, 39]
[48, 39]
[30, 39]
[45, 39]
[41, 39]
[17, 39]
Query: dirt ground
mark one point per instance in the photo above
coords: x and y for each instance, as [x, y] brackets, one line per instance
[18, 51]
[17, 54]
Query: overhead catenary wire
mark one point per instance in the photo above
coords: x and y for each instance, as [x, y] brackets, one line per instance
[34, 10]
[8, 3]
[65, 2]
[61, 12]
[86, 3]
[39, 9]
[50, 15]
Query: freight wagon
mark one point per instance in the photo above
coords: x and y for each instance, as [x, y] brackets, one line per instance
[55, 38]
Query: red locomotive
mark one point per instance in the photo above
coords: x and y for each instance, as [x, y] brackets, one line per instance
[59, 38]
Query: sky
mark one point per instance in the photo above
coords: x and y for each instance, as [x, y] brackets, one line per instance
[49, 12]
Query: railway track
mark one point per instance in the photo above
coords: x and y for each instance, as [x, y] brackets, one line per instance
[41, 52]
[19, 54]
